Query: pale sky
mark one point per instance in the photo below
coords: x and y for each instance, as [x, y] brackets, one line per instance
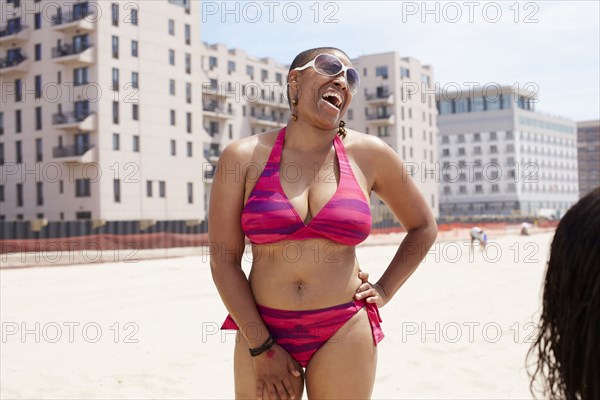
[551, 45]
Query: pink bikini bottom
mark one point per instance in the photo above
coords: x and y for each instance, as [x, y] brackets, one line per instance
[302, 333]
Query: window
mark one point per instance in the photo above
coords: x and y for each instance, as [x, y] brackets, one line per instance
[493, 136]
[188, 92]
[461, 151]
[19, 195]
[171, 27]
[39, 193]
[82, 188]
[230, 67]
[18, 90]
[136, 143]
[212, 62]
[115, 46]
[188, 34]
[495, 188]
[115, 141]
[37, 21]
[478, 189]
[1, 193]
[382, 71]
[250, 71]
[61, 186]
[134, 16]
[446, 152]
[115, 79]
[477, 150]
[38, 52]
[149, 186]
[135, 80]
[493, 149]
[114, 11]
[38, 118]
[190, 149]
[172, 87]
[18, 121]
[462, 189]
[18, 152]
[135, 112]
[117, 190]
[1, 123]
[173, 148]
[172, 117]
[171, 57]
[115, 112]
[190, 192]
[188, 122]
[404, 72]
[39, 151]
[510, 148]
[134, 48]
[188, 63]
[80, 76]
[38, 86]
[1, 153]
[162, 188]
[264, 74]
[509, 135]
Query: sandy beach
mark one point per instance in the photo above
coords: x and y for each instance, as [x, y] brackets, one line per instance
[459, 328]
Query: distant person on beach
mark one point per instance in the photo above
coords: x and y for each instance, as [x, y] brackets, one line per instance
[477, 234]
[303, 314]
[567, 348]
[525, 227]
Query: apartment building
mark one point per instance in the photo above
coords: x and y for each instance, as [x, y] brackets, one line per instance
[588, 155]
[396, 102]
[500, 157]
[98, 97]
[242, 95]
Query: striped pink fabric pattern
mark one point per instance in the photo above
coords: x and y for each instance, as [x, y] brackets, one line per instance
[269, 217]
[302, 333]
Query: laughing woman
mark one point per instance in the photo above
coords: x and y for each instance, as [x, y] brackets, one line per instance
[304, 315]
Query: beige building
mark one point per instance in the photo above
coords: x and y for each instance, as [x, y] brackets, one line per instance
[101, 115]
[242, 95]
[588, 155]
[396, 102]
[500, 157]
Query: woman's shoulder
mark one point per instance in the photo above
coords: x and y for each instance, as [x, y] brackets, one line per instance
[250, 148]
[363, 146]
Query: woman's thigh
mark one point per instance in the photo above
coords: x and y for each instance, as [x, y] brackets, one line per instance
[344, 368]
[245, 380]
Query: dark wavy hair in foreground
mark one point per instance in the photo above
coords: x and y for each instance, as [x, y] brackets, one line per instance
[568, 341]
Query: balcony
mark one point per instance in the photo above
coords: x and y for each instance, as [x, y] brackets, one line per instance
[74, 21]
[213, 91]
[381, 118]
[213, 111]
[15, 35]
[77, 154]
[14, 65]
[212, 154]
[266, 120]
[380, 97]
[73, 55]
[81, 121]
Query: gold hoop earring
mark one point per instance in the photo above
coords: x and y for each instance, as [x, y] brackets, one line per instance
[295, 103]
[341, 130]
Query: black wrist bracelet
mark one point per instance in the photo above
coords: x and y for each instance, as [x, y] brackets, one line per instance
[264, 347]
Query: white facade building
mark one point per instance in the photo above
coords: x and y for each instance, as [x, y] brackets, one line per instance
[98, 97]
[499, 157]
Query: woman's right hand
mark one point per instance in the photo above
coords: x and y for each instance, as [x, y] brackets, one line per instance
[274, 370]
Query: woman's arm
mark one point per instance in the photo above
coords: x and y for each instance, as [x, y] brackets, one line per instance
[226, 244]
[393, 185]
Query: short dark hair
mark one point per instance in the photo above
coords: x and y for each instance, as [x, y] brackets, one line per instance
[305, 57]
[568, 341]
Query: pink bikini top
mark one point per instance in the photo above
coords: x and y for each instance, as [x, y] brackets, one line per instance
[269, 217]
